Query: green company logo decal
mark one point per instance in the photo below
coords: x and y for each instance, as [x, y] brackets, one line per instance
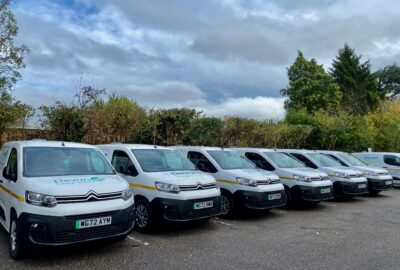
[93, 179]
[77, 224]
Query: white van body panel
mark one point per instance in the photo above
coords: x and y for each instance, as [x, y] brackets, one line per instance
[377, 159]
[12, 193]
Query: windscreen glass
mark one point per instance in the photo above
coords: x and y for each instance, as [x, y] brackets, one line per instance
[230, 160]
[159, 160]
[283, 160]
[352, 160]
[58, 161]
[324, 160]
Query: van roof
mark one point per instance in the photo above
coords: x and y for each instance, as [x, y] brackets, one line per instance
[330, 151]
[256, 149]
[378, 153]
[132, 146]
[205, 148]
[45, 143]
[298, 150]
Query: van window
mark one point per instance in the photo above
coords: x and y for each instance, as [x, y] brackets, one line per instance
[324, 160]
[391, 160]
[305, 160]
[260, 162]
[3, 155]
[123, 163]
[201, 162]
[162, 160]
[352, 160]
[62, 161]
[338, 160]
[230, 160]
[12, 165]
[369, 159]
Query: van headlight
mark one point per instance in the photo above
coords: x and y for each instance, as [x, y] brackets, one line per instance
[246, 182]
[164, 187]
[302, 178]
[342, 175]
[40, 199]
[126, 194]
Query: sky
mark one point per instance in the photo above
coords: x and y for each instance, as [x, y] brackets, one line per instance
[224, 57]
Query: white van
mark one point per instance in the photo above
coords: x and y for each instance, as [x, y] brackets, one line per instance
[387, 160]
[378, 178]
[164, 183]
[58, 193]
[301, 183]
[243, 186]
[346, 182]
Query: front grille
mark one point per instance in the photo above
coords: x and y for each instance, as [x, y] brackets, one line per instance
[316, 178]
[89, 197]
[90, 233]
[354, 175]
[202, 213]
[268, 182]
[197, 187]
[92, 215]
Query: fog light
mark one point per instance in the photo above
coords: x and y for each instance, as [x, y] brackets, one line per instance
[34, 226]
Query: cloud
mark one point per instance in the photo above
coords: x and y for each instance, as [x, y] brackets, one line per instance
[258, 108]
[221, 56]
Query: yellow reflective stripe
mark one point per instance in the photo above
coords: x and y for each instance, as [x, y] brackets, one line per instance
[332, 174]
[287, 178]
[392, 169]
[142, 186]
[228, 181]
[16, 196]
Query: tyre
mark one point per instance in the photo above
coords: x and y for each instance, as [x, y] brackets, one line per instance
[373, 192]
[15, 241]
[289, 198]
[227, 205]
[144, 216]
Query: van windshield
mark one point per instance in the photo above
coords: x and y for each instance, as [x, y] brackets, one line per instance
[161, 160]
[283, 160]
[353, 161]
[230, 160]
[61, 161]
[324, 160]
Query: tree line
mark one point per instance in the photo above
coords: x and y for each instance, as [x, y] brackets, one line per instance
[347, 107]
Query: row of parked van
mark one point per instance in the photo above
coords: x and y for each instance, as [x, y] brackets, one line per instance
[59, 193]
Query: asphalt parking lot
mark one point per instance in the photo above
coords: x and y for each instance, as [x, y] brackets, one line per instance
[359, 234]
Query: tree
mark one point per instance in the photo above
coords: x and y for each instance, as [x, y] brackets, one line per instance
[11, 62]
[206, 131]
[172, 126]
[310, 87]
[388, 80]
[356, 81]
[11, 56]
[66, 122]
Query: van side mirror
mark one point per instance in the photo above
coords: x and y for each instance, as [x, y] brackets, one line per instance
[5, 174]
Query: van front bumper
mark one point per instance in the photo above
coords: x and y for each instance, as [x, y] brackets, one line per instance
[379, 184]
[260, 200]
[183, 210]
[350, 188]
[312, 194]
[61, 230]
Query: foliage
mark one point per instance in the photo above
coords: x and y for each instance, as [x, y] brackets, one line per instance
[310, 87]
[357, 83]
[388, 80]
[11, 56]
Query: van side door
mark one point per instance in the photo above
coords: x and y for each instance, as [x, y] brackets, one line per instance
[260, 161]
[9, 177]
[123, 164]
[4, 152]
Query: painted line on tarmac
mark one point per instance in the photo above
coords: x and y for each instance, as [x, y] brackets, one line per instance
[222, 222]
[138, 240]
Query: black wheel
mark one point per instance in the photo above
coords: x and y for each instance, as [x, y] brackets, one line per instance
[144, 216]
[373, 192]
[227, 205]
[15, 241]
[289, 198]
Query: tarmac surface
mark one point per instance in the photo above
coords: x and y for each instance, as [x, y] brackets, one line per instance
[362, 233]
